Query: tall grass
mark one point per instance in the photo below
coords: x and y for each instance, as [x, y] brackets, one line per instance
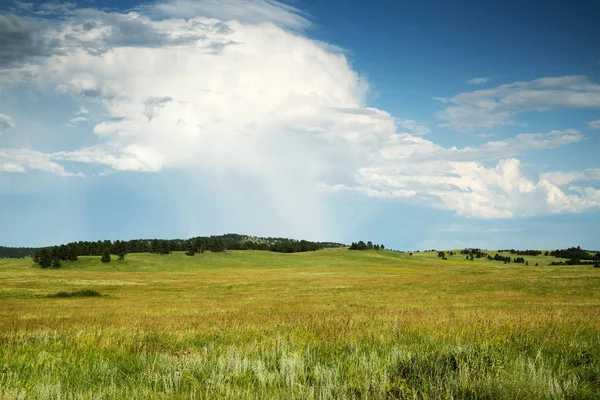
[312, 326]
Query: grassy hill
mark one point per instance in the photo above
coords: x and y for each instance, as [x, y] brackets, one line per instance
[328, 324]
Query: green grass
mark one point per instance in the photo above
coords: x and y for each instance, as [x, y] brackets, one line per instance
[329, 324]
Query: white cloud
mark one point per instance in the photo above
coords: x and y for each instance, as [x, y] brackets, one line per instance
[478, 81]
[249, 11]
[472, 190]
[23, 5]
[412, 126]
[418, 170]
[441, 99]
[594, 124]
[498, 106]
[6, 123]
[565, 178]
[20, 160]
[74, 121]
[234, 95]
[418, 149]
[521, 143]
[131, 158]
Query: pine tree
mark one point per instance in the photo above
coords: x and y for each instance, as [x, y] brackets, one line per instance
[72, 253]
[191, 249]
[105, 255]
[56, 263]
[154, 246]
[121, 249]
[45, 259]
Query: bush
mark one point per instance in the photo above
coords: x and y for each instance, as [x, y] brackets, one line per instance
[79, 293]
[105, 256]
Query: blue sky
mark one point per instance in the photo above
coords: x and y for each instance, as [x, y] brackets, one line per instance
[417, 125]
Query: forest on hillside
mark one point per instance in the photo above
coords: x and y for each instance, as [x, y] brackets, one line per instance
[215, 243]
[16, 252]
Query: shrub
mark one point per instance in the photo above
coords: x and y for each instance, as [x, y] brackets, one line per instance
[79, 293]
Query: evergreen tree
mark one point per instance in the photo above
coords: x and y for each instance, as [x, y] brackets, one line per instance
[382, 247]
[218, 246]
[63, 252]
[105, 255]
[121, 249]
[45, 258]
[56, 263]
[72, 253]
[191, 249]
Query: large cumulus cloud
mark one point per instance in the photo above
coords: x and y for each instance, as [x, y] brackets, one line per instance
[236, 89]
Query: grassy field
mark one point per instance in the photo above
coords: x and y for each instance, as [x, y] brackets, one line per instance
[329, 324]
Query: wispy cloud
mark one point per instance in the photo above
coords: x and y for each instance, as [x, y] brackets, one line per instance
[74, 121]
[498, 106]
[6, 123]
[594, 124]
[565, 178]
[478, 81]
[412, 126]
[21, 160]
[252, 12]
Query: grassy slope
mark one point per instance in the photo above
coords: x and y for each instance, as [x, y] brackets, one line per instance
[333, 323]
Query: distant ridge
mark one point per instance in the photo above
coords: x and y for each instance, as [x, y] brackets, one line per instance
[229, 241]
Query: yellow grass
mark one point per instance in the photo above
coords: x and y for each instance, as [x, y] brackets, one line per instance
[328, 324]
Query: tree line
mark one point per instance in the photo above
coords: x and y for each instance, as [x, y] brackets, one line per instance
[360, 245]
[54, 256]
[531, 253]
[16, 252]
[576, 254]
[595, 263]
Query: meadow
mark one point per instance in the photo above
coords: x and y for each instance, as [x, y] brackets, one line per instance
[328, 324]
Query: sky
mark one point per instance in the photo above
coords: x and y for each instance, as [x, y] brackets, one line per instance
[419, 125]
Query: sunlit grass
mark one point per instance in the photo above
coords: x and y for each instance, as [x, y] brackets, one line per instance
[329, 324]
